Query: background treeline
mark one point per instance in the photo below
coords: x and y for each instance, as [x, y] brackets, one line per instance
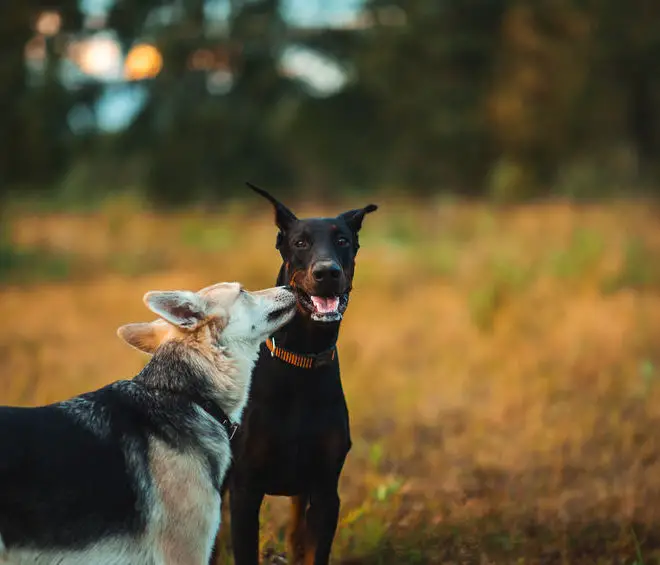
[503, 98]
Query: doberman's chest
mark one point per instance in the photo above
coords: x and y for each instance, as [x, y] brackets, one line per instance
[295, 430]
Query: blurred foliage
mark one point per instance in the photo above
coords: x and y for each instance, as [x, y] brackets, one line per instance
[505, 98]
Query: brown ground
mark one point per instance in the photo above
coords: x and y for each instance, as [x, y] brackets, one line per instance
[501, 366]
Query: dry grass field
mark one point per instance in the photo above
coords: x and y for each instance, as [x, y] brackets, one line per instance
[502, 366]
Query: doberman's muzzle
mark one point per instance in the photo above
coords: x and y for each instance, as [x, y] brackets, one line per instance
[322, 290]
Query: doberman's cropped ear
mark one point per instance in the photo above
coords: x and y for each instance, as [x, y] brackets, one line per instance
[283, 216]
[354, 217]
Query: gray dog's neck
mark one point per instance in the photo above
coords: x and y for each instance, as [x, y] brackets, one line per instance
[176, 370]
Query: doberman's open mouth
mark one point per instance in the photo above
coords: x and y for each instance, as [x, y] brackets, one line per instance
[325, 305]
[324, 308]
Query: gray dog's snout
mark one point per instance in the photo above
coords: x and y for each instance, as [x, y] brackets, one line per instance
[326, 270]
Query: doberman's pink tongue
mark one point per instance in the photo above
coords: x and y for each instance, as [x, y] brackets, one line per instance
[325, 305]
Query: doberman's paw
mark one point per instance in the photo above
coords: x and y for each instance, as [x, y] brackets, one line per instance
[271, 557]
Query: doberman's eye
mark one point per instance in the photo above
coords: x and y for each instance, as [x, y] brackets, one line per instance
[342, 242]
[300, 243]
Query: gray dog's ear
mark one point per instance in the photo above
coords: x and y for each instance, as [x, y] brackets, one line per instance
[283, 216]
[181, 308]
[354, 217]
[146, 336]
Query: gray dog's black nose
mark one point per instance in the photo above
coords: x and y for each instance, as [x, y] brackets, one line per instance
[326, 270]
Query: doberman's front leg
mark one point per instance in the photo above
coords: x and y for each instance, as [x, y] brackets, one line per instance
[297, 530]
[222, 545]
[245, 505]
[322, 516]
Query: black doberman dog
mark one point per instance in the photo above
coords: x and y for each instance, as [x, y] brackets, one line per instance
[295, 433]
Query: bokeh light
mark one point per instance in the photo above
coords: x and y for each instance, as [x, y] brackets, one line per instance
[100, 57]
[142, 62]
[49, 23]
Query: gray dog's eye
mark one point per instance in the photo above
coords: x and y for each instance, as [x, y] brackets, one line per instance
[342, 242]
[300, 243]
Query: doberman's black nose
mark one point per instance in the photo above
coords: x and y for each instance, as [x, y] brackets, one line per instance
[325, 271]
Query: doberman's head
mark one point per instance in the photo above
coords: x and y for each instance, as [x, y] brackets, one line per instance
[318, 258]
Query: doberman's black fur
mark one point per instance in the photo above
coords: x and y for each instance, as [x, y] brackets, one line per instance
[295, 433]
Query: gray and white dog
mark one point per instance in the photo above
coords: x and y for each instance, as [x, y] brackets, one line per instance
[130, 474]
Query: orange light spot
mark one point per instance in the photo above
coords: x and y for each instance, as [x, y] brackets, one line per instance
[143, 61]
[49, 23]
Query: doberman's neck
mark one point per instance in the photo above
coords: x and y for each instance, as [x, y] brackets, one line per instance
[302, 334]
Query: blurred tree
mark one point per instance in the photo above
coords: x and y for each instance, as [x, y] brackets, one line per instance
[429, 65]
[213, 110]
[576, 82]
[540, 73]
[33, 117]
[628, 61]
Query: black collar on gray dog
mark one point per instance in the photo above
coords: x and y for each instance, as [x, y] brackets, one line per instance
[217, 413]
